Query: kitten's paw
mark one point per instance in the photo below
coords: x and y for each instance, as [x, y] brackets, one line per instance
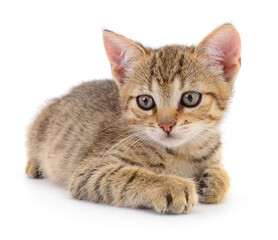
[213, 185]
[32, 169]
[174, 196]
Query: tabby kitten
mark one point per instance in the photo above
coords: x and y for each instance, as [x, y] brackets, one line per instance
[151, 138]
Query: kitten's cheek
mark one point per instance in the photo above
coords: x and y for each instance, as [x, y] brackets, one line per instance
[131, 121]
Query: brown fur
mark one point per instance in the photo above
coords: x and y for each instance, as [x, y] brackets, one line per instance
[91, 139]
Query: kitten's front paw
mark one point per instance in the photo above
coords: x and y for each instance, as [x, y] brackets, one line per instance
[213, 185]
[176, 195]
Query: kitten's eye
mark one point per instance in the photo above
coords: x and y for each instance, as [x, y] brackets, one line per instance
[191, 99]
[145, 102]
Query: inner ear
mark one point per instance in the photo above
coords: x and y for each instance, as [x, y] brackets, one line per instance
[123, 55]
[222, 47]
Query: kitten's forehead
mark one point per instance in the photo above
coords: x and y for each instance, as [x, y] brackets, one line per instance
[171, 70]
[168, 62]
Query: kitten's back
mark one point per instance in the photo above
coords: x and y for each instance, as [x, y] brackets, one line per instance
[67, 128]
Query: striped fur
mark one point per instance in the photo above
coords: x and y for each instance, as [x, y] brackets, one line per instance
[99, 144]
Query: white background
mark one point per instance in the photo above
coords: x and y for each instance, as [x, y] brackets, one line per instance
[46, 47]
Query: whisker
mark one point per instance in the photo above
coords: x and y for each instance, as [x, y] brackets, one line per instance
[138, 140]
[109, 125]
[209, 143]
[123, 140]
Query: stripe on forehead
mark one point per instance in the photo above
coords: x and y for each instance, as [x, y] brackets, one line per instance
[167, 94]
[166, 63]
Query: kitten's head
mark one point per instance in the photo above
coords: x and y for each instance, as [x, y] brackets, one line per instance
[173, 94]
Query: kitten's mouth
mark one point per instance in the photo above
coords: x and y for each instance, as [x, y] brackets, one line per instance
[167, 139]
[170, 140]
[170, 137]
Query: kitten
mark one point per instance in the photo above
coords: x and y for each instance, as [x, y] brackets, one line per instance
[151, 138]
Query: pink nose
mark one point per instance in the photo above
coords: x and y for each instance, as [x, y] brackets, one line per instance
[167, 127]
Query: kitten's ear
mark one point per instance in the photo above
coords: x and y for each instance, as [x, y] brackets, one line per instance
[222, 47]
[122, 53]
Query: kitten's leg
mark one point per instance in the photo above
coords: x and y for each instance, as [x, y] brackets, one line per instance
[130, 186]
[213, 185]
[33, 169]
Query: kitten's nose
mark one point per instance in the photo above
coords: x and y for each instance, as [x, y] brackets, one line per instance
[167, 127]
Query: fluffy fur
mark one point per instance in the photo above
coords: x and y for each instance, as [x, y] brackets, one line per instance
[99, 144]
